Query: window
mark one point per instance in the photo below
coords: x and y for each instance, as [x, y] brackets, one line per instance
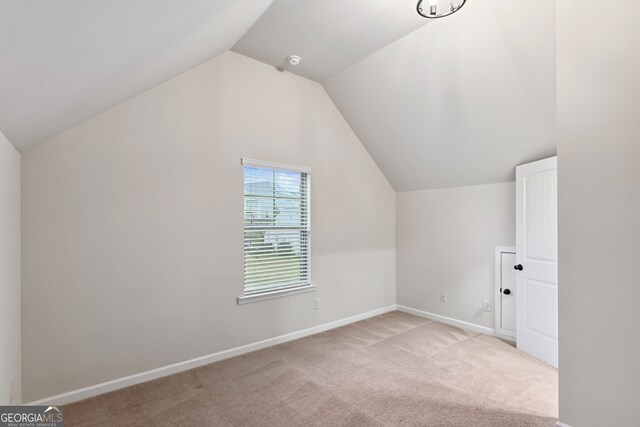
[276, 229]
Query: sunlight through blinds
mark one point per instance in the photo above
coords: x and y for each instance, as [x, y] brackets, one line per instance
[276, 229]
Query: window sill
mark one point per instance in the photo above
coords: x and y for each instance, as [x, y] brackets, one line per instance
[246, 299]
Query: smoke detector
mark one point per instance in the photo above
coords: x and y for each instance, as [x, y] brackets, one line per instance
[294, 60]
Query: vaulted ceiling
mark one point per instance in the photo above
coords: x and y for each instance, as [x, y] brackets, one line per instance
[449, 102]
[64, 61]
[329, 35]
[462, 100]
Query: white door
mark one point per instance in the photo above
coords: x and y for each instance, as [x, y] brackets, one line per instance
[508, 294]
[537, 259]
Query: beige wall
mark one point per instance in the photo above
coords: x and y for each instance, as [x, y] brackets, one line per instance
[132, 225]
[445, 241]
[599, 213]
[9, 271]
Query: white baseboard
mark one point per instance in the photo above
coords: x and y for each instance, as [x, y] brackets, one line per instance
[105, 387]
[561, 424]
[448, 320]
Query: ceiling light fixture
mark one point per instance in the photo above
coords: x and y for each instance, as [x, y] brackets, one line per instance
[438, 8]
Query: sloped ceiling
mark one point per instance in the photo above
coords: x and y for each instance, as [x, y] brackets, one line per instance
[64, 61]
[437, 103]
[460, 101]
[329, 35]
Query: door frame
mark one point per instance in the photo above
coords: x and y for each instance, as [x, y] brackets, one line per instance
[501, 333]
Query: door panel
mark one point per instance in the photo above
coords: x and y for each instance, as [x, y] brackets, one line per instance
[541, 310]
[508, 302]
[541, 219]
[537, 252]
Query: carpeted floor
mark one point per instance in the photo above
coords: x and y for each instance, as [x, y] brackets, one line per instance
[393, 369]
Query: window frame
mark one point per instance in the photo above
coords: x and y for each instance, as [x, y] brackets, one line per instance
[304, 287]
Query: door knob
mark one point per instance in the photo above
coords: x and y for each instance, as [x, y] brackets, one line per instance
[518, 267]
[506, 292]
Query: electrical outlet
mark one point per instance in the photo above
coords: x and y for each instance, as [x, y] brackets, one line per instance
[486, 304]
[12, 392]
[443, 296]
[317, 304]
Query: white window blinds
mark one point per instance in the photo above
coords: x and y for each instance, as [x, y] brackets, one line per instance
[276, 227]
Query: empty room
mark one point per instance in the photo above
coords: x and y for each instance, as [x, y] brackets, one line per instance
[319, 213]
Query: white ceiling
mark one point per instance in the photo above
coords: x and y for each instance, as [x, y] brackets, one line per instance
[460, 101]
[329, 35]
[64, 61]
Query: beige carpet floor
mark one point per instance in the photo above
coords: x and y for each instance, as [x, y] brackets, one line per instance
[390, 370]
